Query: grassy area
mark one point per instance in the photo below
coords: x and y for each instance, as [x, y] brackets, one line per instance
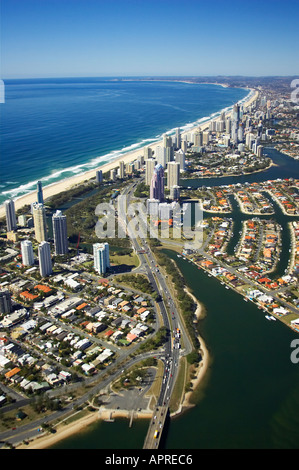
[131, 376]
[179, 387]
[128, 260]
[156, 386]
[9, 419]
[138, 282]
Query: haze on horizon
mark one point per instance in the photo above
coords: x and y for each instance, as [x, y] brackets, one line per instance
[100, 38]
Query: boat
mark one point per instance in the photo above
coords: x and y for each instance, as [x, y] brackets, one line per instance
[268, 318]
[272, 318]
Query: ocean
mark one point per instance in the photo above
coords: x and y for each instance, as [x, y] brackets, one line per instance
[52, 129]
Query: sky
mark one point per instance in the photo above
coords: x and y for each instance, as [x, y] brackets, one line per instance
[119, 38]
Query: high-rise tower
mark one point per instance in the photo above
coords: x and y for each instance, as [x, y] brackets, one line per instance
[27, 253]
[157, 183]
[40, 197]
[11, 220]
[5, 302]
[60, 233]
[173, 174]
[44, 256]
[149, 170]
[122, 169]
[40, 223]
[101, 257]
[178, 138]
[180, 158]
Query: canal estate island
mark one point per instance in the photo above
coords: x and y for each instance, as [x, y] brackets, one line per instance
[96, 327]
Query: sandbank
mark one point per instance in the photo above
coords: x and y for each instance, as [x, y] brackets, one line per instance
[203, 365]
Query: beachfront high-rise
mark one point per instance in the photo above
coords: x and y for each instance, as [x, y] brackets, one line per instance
[197, 139]
[101, 257]
[236, 113]
[178, 138]
[161, 155]
[27, 253]
[11, 220]
[40, 223]
[40, 197]
[173, 174]
[147, 152]
[99, 176]
[113, 174]
[60, 233]
[121, 170]
[149, 170]
[180, 158]
[157, 183]
[44, 256]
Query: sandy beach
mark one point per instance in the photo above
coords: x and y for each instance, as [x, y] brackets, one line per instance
[63, 431]
[202, 367]
[68, 183]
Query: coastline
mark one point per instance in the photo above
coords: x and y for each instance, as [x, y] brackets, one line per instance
[63, 431]
[201, 369]
[68, 183]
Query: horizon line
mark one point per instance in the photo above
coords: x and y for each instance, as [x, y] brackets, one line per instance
[150, 76]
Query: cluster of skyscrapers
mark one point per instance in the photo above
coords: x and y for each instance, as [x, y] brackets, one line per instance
[162, 170]
[169, 159]
[59, 225]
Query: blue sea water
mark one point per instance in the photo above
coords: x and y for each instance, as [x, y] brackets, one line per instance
[52, 129]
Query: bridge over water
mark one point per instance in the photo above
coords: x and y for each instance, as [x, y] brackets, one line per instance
[155, 428]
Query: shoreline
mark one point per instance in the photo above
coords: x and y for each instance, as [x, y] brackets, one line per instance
[64, 431]
[232, 175]
[203, 365]
[67, 183]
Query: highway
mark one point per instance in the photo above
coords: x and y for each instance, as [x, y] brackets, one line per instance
[168, 309]
[168, 354]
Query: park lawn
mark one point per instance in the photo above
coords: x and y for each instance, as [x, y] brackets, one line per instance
[179, 387]
[129, 260]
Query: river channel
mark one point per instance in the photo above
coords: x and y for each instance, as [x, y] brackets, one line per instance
[250, 397]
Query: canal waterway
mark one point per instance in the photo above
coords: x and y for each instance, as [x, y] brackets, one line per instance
[284, 167]
[250, 396]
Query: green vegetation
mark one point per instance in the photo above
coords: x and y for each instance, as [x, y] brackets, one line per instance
[126, 259]
[158, 340]
[179, 387]
[66, 196]
[186, 303]
[142, 190]
[194, 357]
[138, 282]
